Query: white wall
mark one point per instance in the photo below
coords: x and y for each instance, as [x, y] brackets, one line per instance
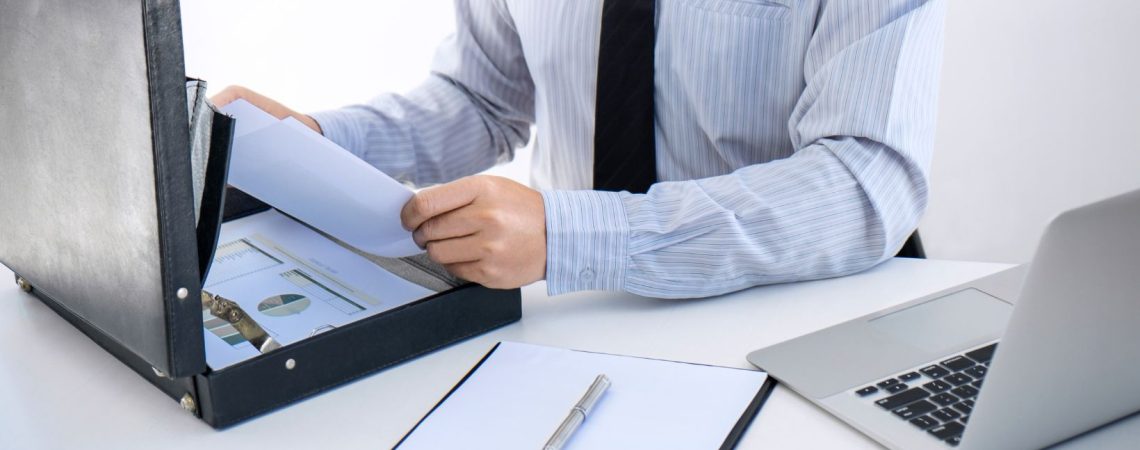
[311, 54]
[1040, 111]
[314, 55]
[1040, 99]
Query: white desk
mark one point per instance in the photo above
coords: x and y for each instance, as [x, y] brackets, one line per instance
[60, 390]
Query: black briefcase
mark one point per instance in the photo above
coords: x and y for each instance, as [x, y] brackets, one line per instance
[106, 217]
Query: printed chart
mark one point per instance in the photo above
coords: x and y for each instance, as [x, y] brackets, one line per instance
[294, 283]
[239, 258]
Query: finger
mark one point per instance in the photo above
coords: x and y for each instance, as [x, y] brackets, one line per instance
[227, 96]
[434, 201]
[310, 122]
[457, 250]
[452, 224]
[267, 104]
[232, 93]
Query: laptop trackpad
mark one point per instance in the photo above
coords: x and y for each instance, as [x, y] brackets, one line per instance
[868, 348]
[945, 324]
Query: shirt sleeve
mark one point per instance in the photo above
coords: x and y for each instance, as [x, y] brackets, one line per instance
[845, 201]
[474, 110]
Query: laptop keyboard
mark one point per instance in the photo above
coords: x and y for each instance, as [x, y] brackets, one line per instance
[938, 398]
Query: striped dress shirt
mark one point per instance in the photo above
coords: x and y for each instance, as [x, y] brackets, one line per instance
[794, 137]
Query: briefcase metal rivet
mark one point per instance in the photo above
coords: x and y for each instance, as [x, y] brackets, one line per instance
[23, 284]
[189, 404]
[183, 293]
[290, 364]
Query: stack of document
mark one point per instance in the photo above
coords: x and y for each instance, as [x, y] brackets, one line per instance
[296, 170]
[520, 393]
[296, 282]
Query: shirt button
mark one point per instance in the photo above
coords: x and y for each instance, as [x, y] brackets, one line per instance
[586, 274]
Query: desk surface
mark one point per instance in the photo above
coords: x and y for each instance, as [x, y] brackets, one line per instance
[58, 389]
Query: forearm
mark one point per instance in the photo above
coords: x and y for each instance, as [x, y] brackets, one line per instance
[434, 134]
[473, 111]
[805, 217]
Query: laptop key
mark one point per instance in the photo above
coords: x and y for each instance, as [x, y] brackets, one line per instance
[946, 414]
[965, 391]
[953, 441]
[937, 386]
[909, 376]
[958, 363]
[923, 422]
[896, 387]
[887, 382]
[915, 409]
[976, 383]
[866, 391]
[976, 371]
[944, 399]
[947, 430]
[965, 419]
[902, 398]
[984, 354]
[963, 408]
[934, 371]
[958, 379]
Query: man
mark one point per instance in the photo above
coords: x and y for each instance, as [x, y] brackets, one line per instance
[783, 140]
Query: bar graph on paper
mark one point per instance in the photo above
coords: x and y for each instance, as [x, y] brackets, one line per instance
[221, 329]
[237, 259]
[318, 291]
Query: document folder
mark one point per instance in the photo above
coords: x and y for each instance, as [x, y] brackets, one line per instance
[112, 194]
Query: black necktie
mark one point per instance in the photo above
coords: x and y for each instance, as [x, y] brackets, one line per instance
[625, 157]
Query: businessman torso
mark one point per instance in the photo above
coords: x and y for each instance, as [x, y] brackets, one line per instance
[728, 75]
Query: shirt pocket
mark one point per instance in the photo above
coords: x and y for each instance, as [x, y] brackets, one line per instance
[759, 9]
[730, 72]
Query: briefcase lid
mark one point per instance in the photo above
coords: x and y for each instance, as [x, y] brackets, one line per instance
[96, 203]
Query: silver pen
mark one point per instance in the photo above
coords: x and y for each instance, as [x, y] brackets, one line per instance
[578, 413]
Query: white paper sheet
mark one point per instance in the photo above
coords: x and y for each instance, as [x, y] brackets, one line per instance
[522, 392]
[292, 168]
[294, 283]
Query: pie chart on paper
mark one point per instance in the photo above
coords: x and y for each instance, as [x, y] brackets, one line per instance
[283, 305]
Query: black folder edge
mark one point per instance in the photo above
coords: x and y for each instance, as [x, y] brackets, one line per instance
[166, 75]
[730, 441]
[750, 413]
[445, 397]
[214, 192]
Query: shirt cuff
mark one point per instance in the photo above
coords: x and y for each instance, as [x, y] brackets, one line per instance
[587, 237]
[345, 127]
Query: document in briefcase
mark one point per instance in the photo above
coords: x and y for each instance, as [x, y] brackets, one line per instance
[112, 204]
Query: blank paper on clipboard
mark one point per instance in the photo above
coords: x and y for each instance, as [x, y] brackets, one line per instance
[519, 394]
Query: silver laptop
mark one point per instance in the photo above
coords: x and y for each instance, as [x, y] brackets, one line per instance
[971, 370]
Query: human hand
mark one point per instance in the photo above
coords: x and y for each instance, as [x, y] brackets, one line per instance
[485, 229]
[232, 93]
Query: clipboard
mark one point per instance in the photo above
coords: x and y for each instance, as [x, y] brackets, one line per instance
[518, 394]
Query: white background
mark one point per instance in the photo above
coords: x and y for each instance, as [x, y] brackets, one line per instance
[1038, 113]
